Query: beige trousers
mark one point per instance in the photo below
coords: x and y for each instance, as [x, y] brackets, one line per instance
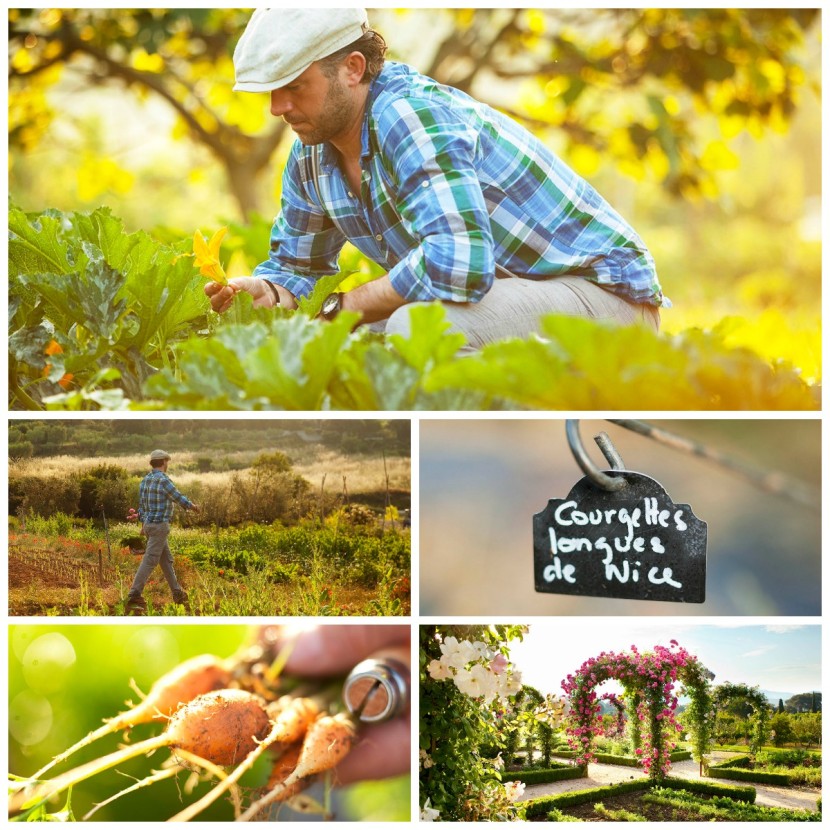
[513, 307]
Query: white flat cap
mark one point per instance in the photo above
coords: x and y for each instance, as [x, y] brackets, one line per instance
[159, 455]
[278, 45]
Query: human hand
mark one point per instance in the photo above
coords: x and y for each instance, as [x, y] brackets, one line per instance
[221, 296]
[195, 508]
[382, 749]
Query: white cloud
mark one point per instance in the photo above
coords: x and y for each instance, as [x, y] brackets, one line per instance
[758, 651]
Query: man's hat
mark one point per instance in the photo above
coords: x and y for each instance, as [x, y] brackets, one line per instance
[278, 45]
[159, 455]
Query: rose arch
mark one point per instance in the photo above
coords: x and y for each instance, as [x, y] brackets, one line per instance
[649, 680]
[617, 728]
[725, 693]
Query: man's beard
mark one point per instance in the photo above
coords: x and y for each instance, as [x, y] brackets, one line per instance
[335, 116]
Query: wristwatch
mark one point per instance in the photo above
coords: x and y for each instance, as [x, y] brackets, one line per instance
[274, 292]
[331, 306]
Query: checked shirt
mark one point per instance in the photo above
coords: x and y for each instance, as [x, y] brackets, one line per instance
[156, 494]
[453, 194]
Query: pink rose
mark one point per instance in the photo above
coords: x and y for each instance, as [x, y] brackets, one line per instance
[498, 664]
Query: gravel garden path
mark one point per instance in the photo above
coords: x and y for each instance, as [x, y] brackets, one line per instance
[600, 775]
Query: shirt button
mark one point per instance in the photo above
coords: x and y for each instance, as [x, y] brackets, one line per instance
[424, 184]
[350, 194]
[379, 237]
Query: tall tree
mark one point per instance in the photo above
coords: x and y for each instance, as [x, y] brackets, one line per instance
[626, 85]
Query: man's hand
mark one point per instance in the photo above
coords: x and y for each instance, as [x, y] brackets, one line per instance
[195, 508]
[221, 296]
[330, 650]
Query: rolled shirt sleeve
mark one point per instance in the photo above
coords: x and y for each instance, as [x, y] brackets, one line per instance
[305, 242]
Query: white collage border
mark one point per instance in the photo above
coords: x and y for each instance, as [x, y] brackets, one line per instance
[416, 419]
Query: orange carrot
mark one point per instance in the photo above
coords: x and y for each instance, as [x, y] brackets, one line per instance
[220, 727]
[326, 744]
[187, 681]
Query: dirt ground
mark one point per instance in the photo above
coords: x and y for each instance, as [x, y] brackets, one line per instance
[600, 775]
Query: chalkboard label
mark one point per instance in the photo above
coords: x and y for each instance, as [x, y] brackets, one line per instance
[633, 543]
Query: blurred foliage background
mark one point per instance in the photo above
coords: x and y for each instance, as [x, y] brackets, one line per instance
[64, 680]
[703, 127]
[482, 481]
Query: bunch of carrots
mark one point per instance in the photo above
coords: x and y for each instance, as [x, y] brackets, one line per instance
[213, 723]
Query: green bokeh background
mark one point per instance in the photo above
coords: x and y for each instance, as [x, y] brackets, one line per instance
[65, 679]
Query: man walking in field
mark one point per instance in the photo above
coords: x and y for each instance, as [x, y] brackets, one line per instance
[457, 201]
[156, 497]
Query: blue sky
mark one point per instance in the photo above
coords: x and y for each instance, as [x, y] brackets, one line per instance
[776, 657]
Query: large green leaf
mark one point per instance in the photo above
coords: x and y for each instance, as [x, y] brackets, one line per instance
[36, 244]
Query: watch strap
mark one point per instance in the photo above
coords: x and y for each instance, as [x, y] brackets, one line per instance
[274, 292]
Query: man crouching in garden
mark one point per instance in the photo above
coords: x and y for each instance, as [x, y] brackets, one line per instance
[457, 202]
[156, 497]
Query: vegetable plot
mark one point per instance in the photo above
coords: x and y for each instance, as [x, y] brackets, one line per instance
[102, 319]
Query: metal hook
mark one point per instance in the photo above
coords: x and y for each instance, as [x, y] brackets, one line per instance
[590, 469]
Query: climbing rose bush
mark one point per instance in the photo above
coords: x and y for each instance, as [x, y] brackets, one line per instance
[650, 678]
[467, 684]
[476, 669]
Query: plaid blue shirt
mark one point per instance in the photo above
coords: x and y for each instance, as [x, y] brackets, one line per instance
[156, 494]
[452, 194]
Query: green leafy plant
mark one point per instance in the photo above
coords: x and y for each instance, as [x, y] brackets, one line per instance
[103, 319]
[87, 298]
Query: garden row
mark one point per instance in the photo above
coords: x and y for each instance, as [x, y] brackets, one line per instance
[102, 319]
[673, 799]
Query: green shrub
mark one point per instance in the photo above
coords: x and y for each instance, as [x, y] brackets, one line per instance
[283, 574]
[789, 757]
[47, 496]
[620, 760]
[257, 538]
[540, 806]
[735, 772]
[558, 815]
[683, 790]
[722, 808]
[21, 449]
[733, 791]
[631, 761]
[561, 772]
[103, 487]
[58, 524]
[742, 761]
[617, 815]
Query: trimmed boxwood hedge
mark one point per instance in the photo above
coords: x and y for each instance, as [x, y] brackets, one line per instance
[742, 761]
[560, 772]
[734, 773]
[624, 760]
[542, 806]
[734, 791]
[629, 761]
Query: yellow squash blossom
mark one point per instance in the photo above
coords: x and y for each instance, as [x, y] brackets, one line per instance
[207, 256]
